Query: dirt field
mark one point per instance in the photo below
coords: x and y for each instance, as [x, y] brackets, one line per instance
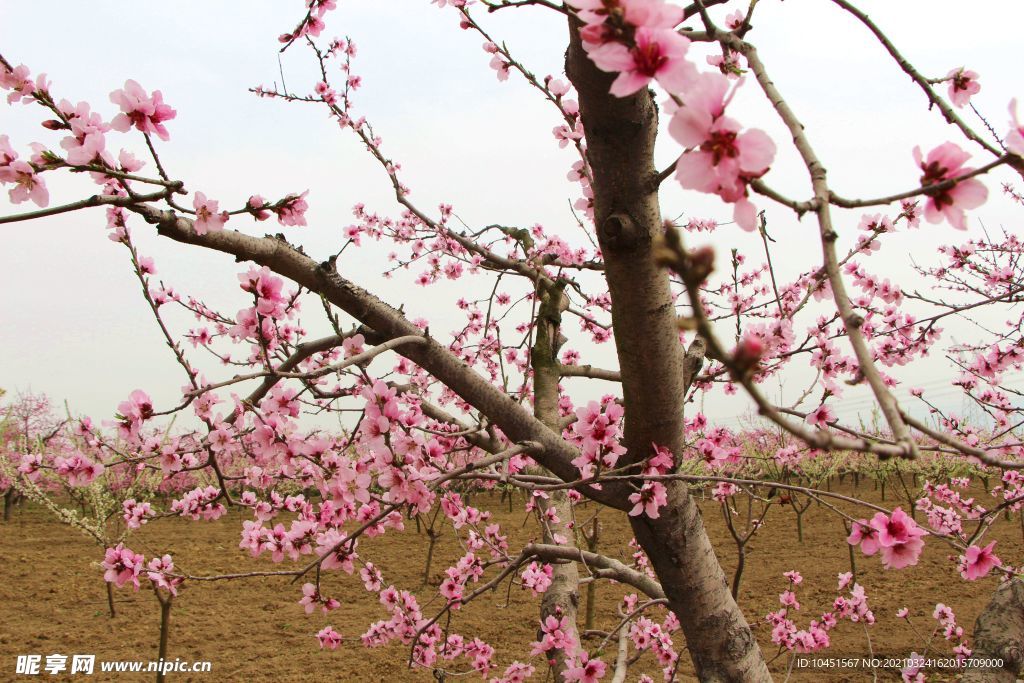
[53, 599]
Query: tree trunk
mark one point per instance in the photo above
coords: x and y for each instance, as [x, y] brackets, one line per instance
[562, 597]
[999, 634]
[620, 136]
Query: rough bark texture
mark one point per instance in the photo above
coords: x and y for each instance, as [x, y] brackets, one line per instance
[999, 634]
[620, 135]
[562, 597]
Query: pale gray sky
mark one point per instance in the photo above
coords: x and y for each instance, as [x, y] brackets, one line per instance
[72, 323]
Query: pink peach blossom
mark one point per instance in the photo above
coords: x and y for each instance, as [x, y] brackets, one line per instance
[720, 160]
[143, 111]
[28, 185]
[207, 217]
[658, 54]
[946, 162]
[962, 85]
[978, 562]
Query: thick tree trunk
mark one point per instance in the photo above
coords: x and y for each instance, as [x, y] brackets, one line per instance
[999, 634]
[620, 135]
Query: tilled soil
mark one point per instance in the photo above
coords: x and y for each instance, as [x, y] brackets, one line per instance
[53, 598]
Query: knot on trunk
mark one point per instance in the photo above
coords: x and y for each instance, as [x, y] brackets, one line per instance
[618, 232]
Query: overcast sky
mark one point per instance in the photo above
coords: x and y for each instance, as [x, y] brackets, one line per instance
[73, 325]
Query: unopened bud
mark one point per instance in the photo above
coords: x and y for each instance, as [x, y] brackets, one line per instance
[54, 124]
[747, 354]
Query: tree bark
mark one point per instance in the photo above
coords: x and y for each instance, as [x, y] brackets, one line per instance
[8, 503]
[620, 135]
[999, 634]
[562, 597]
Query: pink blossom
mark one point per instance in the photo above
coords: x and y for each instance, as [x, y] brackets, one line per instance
[257, 206]
[537, 577]
[902, 555]
[311, 598]
[864, 535]
[292, 209]
[557, 634]
[658, 54]
[159, 568]
[648, 499]
[978, 562]
[896, 535]
[638, 13]
[962, 85]
[144, 112]
[18, 81]
[821, 416]
[911, 673]
[78, 470]
[122, 565]
[207, 217]
[87, 139]
[586, 670]
[943, 163]
[28, 185]
[137, 408]
[720, 160]
[729, 63]
[135, 514]
[898, 527]
[723, 490]
[329, 638]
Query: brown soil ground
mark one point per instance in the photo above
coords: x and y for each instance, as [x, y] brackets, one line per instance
[53, 599]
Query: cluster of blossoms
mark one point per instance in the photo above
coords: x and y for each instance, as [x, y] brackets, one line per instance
[948, 518]
[131, 414]
[537, 577]
[312, 24]
[556, 634]
[597, 431]
[142, 111]
[951, 631]
[311, 597]
[77, 469]
[653, 495]
[785, 634]
[290, 211]
[431, 645]
[647, 634]
[638, 40]
[86, 143]
[200, 503]
[122, 565]
[897, 536]
[135, 513]
[718, 448]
